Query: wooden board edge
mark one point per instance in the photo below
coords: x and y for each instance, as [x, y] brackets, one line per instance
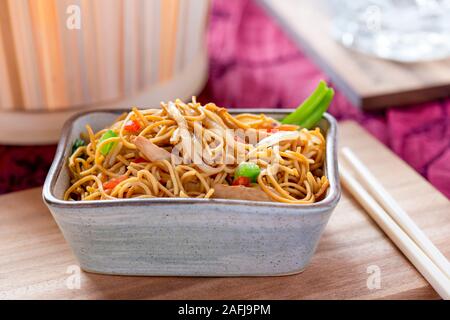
[370, 103]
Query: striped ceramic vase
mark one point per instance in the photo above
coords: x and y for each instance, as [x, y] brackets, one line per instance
[58, 57]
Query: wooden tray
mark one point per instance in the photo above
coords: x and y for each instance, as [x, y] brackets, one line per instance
[36, 262]
[368, 82]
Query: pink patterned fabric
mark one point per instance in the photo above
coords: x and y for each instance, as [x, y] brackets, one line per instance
[254, 64]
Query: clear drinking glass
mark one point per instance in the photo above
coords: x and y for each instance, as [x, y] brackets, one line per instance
[400, 30]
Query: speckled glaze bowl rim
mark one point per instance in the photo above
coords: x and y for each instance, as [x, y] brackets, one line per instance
[57, 166]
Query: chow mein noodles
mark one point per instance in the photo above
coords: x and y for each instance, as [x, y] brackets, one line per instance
[191, 150]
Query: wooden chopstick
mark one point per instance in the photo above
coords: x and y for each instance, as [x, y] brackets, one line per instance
[395, 211]
[437, 279]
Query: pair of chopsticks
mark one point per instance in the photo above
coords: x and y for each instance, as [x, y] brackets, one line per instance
[396, 223]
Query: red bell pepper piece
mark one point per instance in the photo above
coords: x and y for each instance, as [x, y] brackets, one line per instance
[139, 160]
[132, 126]
[112, 183]
[242, 181]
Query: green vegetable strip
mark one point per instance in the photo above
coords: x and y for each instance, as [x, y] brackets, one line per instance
[319, 111]
[107, 147]
[308, 106]
[78, 143]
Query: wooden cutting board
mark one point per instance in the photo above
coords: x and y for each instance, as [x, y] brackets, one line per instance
[36, 262]
[368, 82]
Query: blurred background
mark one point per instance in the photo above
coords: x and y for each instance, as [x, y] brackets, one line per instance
[388, 61]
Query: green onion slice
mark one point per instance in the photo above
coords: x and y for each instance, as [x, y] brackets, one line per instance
[107, 147]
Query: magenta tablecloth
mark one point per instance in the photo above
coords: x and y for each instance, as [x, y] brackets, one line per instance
[254, 64]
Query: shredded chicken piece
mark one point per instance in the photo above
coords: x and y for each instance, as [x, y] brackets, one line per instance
[150, 150]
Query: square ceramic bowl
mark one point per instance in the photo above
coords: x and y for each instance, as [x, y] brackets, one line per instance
[188, 237]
